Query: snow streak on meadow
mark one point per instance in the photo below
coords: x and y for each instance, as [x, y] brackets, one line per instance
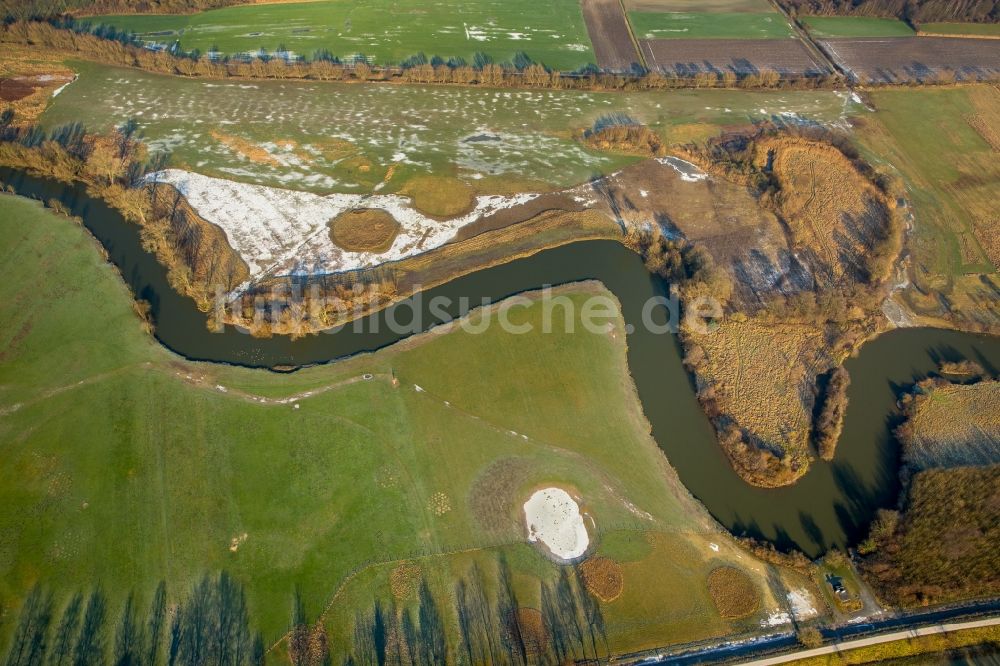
[345, 138]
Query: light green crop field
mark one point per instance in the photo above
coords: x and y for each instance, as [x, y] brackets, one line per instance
[698, 6]
[125, 465]
[985, 29]
[551, 32]
[939, 141]
[714, 25]
[856, 26]
[327, 137]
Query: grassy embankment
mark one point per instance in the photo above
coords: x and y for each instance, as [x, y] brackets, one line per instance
[125, 465]
[387, 31]
[944, 142]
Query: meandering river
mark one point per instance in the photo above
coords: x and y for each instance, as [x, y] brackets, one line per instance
[831, 505]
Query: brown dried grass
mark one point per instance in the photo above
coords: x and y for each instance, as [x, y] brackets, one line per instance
[733, 592]
[404, 579]
[761, 376]
[364, 230]
[953, 424]
[833, 212]
[245, 148]
[24, 90]
[603, 577]
[533, 632]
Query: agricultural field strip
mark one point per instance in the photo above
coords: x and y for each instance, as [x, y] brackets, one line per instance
[386, 31]
[690, 56]
[701, 25]
[825, 27]
[611, 35]
[898, 59]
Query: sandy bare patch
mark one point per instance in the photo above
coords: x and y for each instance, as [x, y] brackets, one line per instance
[553, 518]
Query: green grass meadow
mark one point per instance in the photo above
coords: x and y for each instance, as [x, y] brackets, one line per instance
[856, 26]
[716, 25]
[951, 174]
[388, 30]
[348, 136]
[125, 465]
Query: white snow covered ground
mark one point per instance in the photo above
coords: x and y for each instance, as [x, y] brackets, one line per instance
[282, 232]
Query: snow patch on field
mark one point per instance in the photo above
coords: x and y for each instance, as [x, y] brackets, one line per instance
[280, 232]
[689, 172]
[776, 619]
[802, 604]
[55, 93]
[553, 517]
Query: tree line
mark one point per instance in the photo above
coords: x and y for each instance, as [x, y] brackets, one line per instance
[211, 625]
[830, 420]
[20, 9]
[912, 11]
[121, 48]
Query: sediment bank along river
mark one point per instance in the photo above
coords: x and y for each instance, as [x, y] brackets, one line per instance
[831, 505]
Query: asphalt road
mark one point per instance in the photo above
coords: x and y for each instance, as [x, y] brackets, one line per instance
[875, 640]
[840, 638]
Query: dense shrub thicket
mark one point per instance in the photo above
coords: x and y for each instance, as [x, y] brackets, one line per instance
[830, 420]
[914, 11]
[942, 547]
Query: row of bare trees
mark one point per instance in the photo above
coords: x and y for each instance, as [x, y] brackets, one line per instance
[120, 48]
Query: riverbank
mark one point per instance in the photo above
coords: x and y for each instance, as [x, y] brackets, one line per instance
[324, 492]
[829, 506]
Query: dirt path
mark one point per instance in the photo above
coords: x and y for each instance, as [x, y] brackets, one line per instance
[205, 382]
[609, 31]
[818, 54]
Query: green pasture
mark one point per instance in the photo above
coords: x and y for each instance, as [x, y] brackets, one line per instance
[714, 25]
[856, 26]
[928, 138]
[125, 465]
[387, 30]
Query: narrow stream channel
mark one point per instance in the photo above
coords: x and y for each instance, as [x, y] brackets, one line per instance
[831, 505]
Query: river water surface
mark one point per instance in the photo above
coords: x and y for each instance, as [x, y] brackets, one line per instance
[831, 505]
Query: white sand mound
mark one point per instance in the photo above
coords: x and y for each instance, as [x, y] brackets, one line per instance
[553, 518]
[281, 232]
